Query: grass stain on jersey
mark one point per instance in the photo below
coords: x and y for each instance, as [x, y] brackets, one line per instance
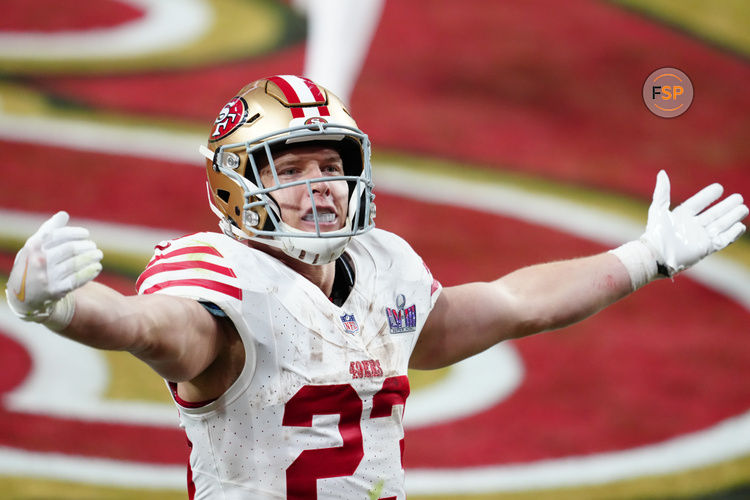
[377, 490]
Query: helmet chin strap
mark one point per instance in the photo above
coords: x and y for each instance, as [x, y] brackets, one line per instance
[321, 250]
[316, 251]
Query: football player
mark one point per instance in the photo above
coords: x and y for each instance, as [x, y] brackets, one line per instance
[286, 339]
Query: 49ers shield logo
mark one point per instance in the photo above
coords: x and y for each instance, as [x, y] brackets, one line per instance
[231, 117]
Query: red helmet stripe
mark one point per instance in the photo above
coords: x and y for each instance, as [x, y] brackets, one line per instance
[290, 94]
[287, 89]
[293, 86]
[317, 95]
[314, 90]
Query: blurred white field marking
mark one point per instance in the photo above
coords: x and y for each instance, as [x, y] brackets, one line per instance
[724, 441]
[81, 135]
[121, 238]
[100, 471]
[69, 380]
[165, 25]
[427, 406]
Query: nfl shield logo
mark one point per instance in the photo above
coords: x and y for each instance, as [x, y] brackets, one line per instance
[350, 323]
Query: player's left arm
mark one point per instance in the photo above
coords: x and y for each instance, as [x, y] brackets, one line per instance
[470, 318]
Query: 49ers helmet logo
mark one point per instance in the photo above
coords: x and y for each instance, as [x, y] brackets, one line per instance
[231, 116]
[315, 119]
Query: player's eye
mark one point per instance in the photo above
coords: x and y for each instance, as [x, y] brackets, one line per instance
[288, 171]
[333, 169]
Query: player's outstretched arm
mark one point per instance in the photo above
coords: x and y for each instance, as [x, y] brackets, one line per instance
[51, 283]
[54, 261]
[468, 319]
[175, 336]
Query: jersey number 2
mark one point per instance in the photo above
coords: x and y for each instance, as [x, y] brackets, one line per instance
[341, 400]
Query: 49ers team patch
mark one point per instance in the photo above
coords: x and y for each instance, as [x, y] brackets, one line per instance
[231, 117]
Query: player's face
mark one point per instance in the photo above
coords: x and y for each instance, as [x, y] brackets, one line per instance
[331, 197]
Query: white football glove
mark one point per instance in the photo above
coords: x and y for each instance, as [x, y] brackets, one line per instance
[677, 239]
[54, 261]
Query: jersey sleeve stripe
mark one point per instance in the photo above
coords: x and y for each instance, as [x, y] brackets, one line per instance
[198, 249]
[435, 287]
[216, 286]
[180, 266]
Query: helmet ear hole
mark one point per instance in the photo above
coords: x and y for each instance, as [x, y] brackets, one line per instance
[223, 194]
[268, 224]
[351, 155]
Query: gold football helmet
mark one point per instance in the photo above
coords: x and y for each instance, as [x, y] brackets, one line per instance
[264, 117]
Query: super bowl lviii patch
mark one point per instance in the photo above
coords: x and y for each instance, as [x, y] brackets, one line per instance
[402, 319]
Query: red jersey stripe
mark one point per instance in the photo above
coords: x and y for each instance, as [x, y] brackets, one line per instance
[434, 287]
[190, 482]
[187, 404]
[183, 251]
[187, 250]
[195, 249]
[182, 265]
[216, 286]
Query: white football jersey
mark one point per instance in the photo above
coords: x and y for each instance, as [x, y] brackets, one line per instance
[317, 410]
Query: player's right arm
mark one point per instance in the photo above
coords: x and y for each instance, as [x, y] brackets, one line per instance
[51, 283]
[177, 337]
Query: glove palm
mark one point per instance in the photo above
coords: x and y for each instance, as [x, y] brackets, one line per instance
[54, 261]
[681, 237]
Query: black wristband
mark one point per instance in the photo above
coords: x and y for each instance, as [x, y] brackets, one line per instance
[662, 270]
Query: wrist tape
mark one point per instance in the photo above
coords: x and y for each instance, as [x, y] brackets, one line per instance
[61, 314]
[639, 261]
[56, 315]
